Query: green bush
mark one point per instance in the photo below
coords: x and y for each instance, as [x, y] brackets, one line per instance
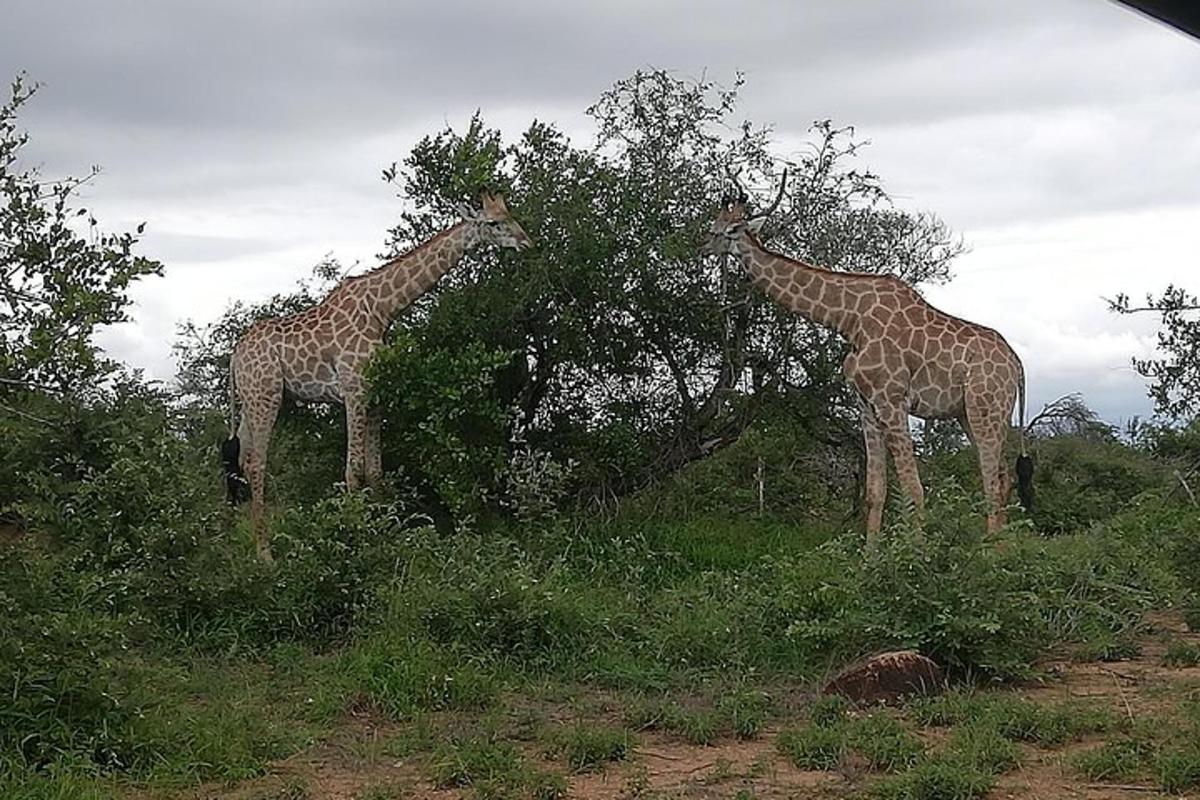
[1080, 482]
[65, 692]
[945, 592]
[444, 418]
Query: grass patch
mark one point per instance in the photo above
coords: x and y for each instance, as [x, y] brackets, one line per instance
[1178, 769]
[718, 542]
[935, 779]
[742, 715]
[828, 709]
[405, 677]
[1107, 647]
[884, 742]
[813, 747]
[590, 747]
[983, 748]
[745, 710]
[1123, 759]
[1181, 653]
[1013, 717]
[492, 769]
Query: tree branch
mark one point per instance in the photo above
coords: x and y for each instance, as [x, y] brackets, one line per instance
[30, 417]
[29, 385]
[28, 298]
[1158, 309]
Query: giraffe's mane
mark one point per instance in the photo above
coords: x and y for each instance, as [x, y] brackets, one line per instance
[350, 280]
[806, 265]
[437, 237]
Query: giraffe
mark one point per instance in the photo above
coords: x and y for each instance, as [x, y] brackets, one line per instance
[317, 355]
[906, 357]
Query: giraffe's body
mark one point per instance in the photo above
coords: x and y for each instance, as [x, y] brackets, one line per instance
[318, 355]
[906, 357]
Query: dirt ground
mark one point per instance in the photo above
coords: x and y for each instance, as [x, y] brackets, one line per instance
[351, 765]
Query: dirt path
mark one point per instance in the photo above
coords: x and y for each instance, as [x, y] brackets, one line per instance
[356, 764]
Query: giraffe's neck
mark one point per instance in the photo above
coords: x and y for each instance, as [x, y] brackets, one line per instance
[823, 296]
[398, 283]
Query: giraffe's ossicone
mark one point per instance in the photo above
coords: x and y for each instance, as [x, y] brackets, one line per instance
[317, 355]
[906, 357]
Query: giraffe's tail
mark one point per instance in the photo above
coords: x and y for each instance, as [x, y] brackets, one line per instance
[1024, 462]
[237, 488]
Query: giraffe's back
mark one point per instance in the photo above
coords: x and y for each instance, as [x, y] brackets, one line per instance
[950, 359]
[308, 354]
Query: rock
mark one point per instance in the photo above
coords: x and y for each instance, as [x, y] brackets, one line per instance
[887, 677]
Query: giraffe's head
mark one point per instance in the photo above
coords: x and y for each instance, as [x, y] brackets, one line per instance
[728, 230]
[493, 224]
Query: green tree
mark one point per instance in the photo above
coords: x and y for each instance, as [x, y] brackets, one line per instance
[61, 278]
[1174, 373]
[631, 354]
[613, 352]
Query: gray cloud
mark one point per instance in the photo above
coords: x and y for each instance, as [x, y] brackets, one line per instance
[250, 135]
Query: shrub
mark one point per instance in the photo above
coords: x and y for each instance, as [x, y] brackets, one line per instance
[1081, 481]
[64, 689]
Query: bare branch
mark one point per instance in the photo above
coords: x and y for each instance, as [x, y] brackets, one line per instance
[1068, 411]
[778, 197]
[29, 416]
[29, 385]
[1159, 309]
[1169, 302]
[19, 295]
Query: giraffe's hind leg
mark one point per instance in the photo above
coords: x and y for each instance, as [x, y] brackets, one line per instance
[986, 423]
[259, 412]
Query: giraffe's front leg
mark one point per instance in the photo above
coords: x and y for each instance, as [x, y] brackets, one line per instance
[876, 475]
[356, 434]
[894, 419]
[373, 455]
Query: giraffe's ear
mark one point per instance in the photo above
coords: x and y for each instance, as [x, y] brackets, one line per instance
[755, 225]
[465, 211]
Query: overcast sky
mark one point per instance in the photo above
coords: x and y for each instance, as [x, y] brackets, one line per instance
[1060, 137]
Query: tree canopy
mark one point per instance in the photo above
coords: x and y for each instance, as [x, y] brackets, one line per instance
[615, 346]
[1174, 372]
[61, 277]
